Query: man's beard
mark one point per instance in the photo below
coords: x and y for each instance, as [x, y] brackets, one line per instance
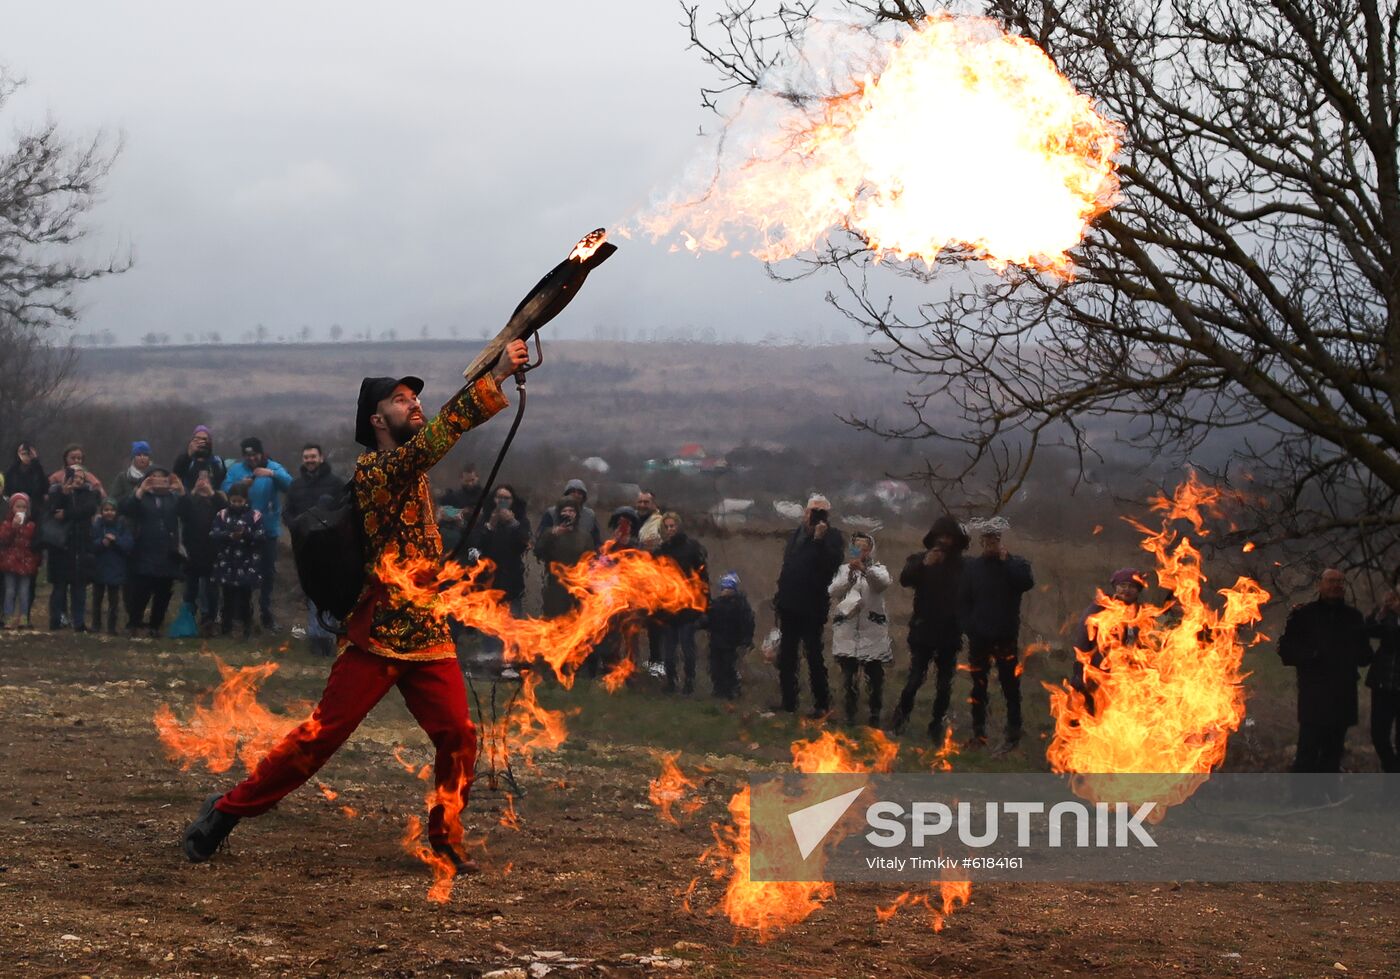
[402, 433]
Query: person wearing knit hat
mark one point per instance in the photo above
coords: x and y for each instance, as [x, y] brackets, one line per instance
[199, 457]
[731, 626]
[129, 478]
[1092, 643]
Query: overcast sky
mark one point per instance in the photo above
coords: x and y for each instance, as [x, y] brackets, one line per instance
[342, 162]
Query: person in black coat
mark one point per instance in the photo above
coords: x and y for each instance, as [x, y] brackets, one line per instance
[689, 555]
[935, 574]
[814, 552]
[153, 510]
[989, 611]
[197, 510]
[503, 538]
[199, 457]
[315, 480]
[1325, 641]
[731, 625]
[71, 504]
[1384, 680]
[26, 474]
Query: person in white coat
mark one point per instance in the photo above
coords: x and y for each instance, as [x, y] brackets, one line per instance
[860, 637]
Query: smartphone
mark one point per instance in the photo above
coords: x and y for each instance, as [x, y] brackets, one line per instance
[818, 516]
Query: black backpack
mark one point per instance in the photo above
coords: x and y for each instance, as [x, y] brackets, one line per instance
[328, 546]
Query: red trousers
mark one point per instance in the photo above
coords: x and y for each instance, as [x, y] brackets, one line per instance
[435, 695]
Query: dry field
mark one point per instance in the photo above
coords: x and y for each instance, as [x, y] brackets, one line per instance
[592, 882]
[93, 882]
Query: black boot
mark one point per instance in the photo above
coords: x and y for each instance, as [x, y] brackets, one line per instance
[206, 834]
[937, 730]
[461, 864]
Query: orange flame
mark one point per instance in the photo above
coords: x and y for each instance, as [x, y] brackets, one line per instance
[510, 819]
[951, 895]
[443, 872]
[670, 788]
[588, 244]
[1166, 702]
[943, 756]
[1031, 649]
[767, 907]
[230, 724]
[961, 137]
[530, 726]
[616, 678]
[605, 586]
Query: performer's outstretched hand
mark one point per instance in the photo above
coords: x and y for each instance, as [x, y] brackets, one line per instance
[515, 356]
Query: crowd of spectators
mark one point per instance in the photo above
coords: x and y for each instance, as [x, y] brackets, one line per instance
[211, 527]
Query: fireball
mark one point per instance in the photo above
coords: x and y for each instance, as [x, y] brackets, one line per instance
[952, 136]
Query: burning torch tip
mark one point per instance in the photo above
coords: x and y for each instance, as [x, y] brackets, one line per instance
[589, 244]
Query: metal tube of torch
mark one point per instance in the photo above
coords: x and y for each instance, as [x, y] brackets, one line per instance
[547, 300]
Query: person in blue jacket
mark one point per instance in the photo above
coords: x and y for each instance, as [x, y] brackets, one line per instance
[112, 544]
[269, 481]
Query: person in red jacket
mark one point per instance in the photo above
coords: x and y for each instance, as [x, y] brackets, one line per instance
[18, 559]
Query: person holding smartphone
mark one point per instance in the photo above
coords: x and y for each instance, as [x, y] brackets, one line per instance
[561, 544]
[19, 562]
[810, 560]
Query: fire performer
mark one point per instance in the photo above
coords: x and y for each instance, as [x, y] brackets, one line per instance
[389, 642]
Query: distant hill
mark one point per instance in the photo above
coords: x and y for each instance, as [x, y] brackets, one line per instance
[651, 397]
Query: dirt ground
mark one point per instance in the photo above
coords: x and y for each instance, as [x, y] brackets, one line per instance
[92, 880]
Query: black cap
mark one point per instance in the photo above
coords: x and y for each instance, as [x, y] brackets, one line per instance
[372, 391]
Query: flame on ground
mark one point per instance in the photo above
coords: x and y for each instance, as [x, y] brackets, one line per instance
[943, 755]
[1167, 702]
[443, 871]
[671, 788]
[767, 907]
[954, 135]
[510, 819]
[230, 724]
[942, 898]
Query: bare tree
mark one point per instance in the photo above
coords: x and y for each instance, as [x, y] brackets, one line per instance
[1248, 280]
[47, 186]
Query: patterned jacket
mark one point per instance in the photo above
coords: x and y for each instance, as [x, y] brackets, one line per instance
[396, 504]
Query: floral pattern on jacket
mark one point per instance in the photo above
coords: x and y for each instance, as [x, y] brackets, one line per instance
[395, 502]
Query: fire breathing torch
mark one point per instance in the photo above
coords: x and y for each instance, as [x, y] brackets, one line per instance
[547, 300]
[540, 305]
